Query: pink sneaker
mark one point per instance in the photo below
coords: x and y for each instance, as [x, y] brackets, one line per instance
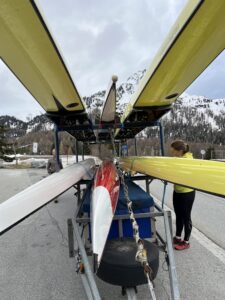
[182, 246]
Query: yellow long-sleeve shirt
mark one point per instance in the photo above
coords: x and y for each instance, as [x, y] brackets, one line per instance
[180, 188]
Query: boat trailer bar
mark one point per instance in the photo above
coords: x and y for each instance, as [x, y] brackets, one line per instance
[124, 217]
[88, 277]
[172, 267]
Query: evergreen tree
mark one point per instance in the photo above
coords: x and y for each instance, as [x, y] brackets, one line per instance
[210, 153]
[2, 141]
[4, 146]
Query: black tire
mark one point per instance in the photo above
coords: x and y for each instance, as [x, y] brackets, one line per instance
[119, 267]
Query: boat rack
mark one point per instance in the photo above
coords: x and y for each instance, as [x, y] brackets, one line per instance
[76, 229]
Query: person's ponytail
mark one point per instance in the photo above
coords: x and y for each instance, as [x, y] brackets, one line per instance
[180, 146]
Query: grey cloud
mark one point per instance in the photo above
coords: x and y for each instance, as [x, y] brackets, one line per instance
[99, 38]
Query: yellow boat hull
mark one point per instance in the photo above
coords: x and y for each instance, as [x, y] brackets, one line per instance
[193, 42]
[203, 175]
[30, 52]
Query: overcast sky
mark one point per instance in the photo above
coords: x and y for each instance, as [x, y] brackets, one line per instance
[99, 38]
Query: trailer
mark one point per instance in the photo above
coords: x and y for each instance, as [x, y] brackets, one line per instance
[118, 265]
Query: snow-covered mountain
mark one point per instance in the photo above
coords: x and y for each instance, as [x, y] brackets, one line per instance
[191, 110]
[124, 93]
[192, 117]
[127, 89]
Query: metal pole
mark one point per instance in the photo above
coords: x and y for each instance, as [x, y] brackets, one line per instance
[86, 287]
[88, 272]
[78, 193]
[56, 132]
[120, 150]
[83, 151]
[131, 295]
[164, 193]
[172, 267]
[147, 186]
[170, 222]
[162, 145]
[76, 149]
[135, 145]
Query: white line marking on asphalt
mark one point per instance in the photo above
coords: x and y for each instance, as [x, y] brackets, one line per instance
[200, 237]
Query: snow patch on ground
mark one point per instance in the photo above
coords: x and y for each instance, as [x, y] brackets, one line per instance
[41, 162]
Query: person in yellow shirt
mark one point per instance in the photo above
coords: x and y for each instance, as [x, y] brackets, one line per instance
[183, 199]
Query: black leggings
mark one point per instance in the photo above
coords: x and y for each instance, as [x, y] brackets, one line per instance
[182, 203]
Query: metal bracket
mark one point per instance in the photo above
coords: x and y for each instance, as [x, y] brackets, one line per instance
[70, 238]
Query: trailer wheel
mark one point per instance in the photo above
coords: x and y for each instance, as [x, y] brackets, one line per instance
[119, 267]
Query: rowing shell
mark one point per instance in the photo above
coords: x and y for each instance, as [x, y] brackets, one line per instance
[203, 175]
[109, 109]
[104, 200]
[25, 203]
